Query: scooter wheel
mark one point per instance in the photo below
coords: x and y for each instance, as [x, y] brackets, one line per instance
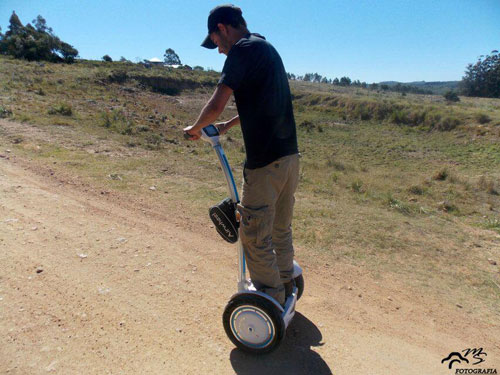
[299, 283]
[253, 323]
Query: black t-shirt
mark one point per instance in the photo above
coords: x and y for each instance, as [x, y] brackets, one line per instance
[255, 72]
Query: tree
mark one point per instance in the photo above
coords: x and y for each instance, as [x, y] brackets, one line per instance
[15, 25]
[68, 52]
[34, 42]
[107, 58]
[41, 25]
[483, 78]
[308, 77]
[198, 68]
[345, 81]
[317, 77]
[171, 58]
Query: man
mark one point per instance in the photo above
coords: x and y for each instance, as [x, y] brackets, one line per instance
[254, 72]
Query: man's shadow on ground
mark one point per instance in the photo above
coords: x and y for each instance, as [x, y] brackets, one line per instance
[294, 356]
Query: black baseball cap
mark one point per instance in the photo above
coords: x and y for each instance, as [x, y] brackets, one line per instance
[227, 14]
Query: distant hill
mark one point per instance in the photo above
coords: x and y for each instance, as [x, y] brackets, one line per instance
[436, 87]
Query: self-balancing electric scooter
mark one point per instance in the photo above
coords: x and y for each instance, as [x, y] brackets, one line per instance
[253, 321]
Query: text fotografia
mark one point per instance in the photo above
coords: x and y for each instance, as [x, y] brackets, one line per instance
[476, 371]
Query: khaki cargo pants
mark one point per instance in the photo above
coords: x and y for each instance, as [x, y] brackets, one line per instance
[266, 223]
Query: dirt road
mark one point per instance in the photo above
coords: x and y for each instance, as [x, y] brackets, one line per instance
[99, 284]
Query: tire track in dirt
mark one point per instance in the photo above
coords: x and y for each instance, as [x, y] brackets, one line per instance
[92, 285]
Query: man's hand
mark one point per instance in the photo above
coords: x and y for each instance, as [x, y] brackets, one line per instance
[193, 135]
[222, 127]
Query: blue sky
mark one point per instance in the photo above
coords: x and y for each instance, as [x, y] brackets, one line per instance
[369, 40]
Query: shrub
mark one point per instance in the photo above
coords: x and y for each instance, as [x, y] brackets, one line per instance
[451, 96]
[106, 120]
[338, 166]
[153, 141]
[143, 128]
[399, 116]
[483, 118]
[117, 121]
[447, 123]
[307, 125]
[416, 117]
[128, 129]
[417, 190]
[432, 119]
[5, 112]
[107, 58]
[487, 185]
[117, 76]
[492, 223]
[363, 112]
[61, 109]
[441, 175]
[446, 206]
[357, 186]
[397, 205]
[17, 139]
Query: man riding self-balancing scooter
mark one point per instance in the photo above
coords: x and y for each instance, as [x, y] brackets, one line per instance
[255, 318]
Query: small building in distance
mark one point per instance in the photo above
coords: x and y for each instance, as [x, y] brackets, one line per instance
[155, 61]
[178, 66]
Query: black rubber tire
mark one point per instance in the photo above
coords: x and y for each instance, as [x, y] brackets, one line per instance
[299, 283]
[264, 305]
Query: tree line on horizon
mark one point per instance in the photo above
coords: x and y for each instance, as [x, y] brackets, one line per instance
[37, 41]
[169, 58]
[346, 81]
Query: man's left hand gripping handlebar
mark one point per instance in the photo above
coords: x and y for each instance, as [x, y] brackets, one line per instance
[190, 134]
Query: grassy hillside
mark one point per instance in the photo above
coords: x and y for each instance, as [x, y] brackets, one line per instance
[407, 185]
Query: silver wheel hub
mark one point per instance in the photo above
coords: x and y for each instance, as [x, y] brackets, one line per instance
[252, 326]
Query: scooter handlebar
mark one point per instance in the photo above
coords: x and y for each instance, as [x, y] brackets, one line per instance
[209, 133]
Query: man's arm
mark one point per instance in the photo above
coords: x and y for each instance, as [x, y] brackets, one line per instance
[211, 111]
[225, 126]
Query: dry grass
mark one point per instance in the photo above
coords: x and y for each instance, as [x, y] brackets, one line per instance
[401, 199]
